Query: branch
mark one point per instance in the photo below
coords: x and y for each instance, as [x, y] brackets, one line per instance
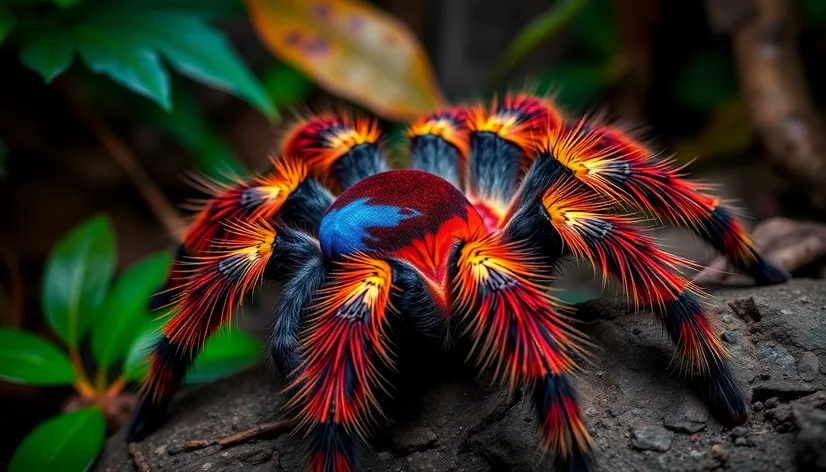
[775, 90]
[152, 195]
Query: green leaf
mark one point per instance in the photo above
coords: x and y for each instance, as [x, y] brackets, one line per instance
[70, 442]
[541, 29]
[596, 29]
[7, 22]
[50, 54]
[135, 366]
[126, 59]
[224, 353]
[124, 310]
[27, 358]
[577, 85]
[193, 48]
[77, 277]
[285, 85]
[707, 79]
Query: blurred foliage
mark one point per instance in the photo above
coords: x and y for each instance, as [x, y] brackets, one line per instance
[538, 31]
[580, 83]
[82, 299]
[127, 40]
[352, 49]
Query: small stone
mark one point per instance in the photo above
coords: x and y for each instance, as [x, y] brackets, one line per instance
[757, 406]
[741, 442]
[651, 438]
[772, 402]
[409, 459]
[636, 411]
[161, 450]
[726, 318]
[739, 432]
[785, 312]
[804, 299]
[686, 415]
[694, 438]
[808, 366]
[206, 466]
[600, 374]
[719, 453]
[729, 337]
[694, 454]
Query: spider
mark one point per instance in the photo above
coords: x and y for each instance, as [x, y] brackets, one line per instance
[461, 247]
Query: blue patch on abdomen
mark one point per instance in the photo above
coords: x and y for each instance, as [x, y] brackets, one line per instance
[346, 230]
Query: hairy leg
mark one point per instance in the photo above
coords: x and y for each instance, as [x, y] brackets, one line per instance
[567, 217]
[626, 171]
[439, 144]
[345, 346]
[216, 286]
[501, 141]
[340, 149]
[516, 331]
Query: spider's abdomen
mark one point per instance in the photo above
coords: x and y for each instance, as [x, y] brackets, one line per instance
[402, 214]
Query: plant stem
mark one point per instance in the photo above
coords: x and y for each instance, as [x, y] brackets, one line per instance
[82, 384]
[152, 195]
[100, 380]
[116, 387]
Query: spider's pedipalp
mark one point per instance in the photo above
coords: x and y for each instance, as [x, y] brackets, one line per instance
[626, 171]
[439, 144]
[516, 331]
[340, 149]
[216, 285]
[346, 348]
[577, 221]
[501, 140]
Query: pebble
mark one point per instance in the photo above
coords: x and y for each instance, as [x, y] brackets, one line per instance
[591, 412]
[729, 337]
[206, 466]
[739, 432]
[772, 402]
[686, 415]
[651, 438]
[719, 452]
[161, 450]
[757, 406]
[741, 442]
[694, 454]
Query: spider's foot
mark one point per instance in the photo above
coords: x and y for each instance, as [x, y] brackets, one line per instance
[724, 395]
[147, 418]
[766, 273]
[563, 428]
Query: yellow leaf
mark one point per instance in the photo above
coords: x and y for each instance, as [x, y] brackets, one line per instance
[352, 49]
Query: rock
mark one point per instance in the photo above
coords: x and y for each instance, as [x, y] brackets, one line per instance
[808, 366]
[686, 415]
[415, 439]
[719, 453]
[739, 432]
[811, 440]
[729, 337]
[651, 438]
[460, 423]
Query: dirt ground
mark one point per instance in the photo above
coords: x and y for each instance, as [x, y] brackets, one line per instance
[642, 415]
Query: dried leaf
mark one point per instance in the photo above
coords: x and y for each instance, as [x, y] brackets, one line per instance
[352, 49]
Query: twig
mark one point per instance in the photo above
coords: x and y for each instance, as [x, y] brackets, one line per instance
[138, 458]
[273, 429]
[774, 86]
[160, 205]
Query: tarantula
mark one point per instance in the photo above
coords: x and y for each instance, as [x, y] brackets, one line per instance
[461, 247]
